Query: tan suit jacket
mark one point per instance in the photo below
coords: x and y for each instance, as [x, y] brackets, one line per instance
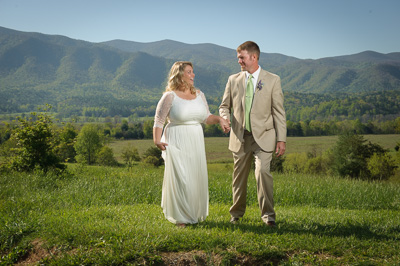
[267, 117]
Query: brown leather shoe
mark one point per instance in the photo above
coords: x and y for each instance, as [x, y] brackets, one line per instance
[234, 220]
[271, 224]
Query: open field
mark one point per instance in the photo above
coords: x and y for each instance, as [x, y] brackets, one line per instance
[112, 216]
[217, 148]
[95, 215]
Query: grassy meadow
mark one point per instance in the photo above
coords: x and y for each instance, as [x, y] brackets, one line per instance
[217, 148]
[112, 216]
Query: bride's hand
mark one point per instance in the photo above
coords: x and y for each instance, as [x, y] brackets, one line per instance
[224, 125]
[161, 145]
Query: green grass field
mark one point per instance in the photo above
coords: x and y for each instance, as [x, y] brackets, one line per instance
[217, 148]
[112, 216]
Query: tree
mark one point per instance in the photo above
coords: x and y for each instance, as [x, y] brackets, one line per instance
[148, 129]
[351, 155]
[88, 144]
[36, 144]
[67, 140]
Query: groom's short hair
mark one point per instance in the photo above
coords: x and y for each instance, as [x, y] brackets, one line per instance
[250, 47]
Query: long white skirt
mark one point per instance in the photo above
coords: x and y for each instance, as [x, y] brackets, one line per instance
[185, 186]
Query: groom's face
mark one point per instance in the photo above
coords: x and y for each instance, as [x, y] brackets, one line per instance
[246, 61]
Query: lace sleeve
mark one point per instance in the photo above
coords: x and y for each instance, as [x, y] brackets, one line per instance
[203, 97]
[162, 110]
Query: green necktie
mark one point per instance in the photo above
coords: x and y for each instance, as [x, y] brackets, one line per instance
[249, 100]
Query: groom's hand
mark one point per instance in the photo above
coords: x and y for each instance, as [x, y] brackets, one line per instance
[280, 148]
[225, 125]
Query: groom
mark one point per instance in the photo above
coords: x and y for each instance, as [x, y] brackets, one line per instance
[253, 104]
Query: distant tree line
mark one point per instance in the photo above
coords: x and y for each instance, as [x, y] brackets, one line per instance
[133, 128]
[326, 128]
[368, 107]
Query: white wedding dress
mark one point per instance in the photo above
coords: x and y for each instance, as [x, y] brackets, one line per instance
[185, 186]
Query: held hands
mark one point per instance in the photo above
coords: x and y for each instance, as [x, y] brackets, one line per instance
[225, 124]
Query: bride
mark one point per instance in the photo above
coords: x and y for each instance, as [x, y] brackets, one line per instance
[185, 186]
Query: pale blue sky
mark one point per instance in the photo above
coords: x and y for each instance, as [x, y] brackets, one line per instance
[300, 28]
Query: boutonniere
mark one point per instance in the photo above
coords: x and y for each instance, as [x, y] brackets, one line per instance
[260, 85]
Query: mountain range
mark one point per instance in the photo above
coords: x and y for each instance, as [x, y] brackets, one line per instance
[37, 68]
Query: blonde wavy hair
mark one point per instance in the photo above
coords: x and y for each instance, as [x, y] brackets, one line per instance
[175, 82]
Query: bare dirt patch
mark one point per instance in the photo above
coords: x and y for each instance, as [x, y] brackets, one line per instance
[40, 251]
[37, 253]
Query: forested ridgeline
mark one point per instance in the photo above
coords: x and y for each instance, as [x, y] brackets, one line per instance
[120, 128]
[368, 106]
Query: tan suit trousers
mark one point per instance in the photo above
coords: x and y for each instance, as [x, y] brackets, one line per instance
[242, 165]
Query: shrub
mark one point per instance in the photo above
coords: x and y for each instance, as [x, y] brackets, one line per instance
[153, 160]
[106, 157]
[295, 162]
[130, 155]
[381, 166]
[153, 152]
[277, 163]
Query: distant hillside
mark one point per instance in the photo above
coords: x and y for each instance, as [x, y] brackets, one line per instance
[366, 71]
[123, 77]
[206, 55]
[36, 69]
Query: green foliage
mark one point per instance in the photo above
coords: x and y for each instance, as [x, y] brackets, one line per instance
[334, 106]
[308, 163]
[320, 164]
[213, 131]
[130, 154]
[295, 162]
[148, 129]
[66, 149]
[381, 166]
[106, 157]
[88, 144]
[35, 144]
[5, 134]
[152, 160]
[351, 155]
[153, 156]
[128, 131]
[277, 163]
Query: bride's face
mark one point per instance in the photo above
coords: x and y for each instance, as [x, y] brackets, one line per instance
[188, 75]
